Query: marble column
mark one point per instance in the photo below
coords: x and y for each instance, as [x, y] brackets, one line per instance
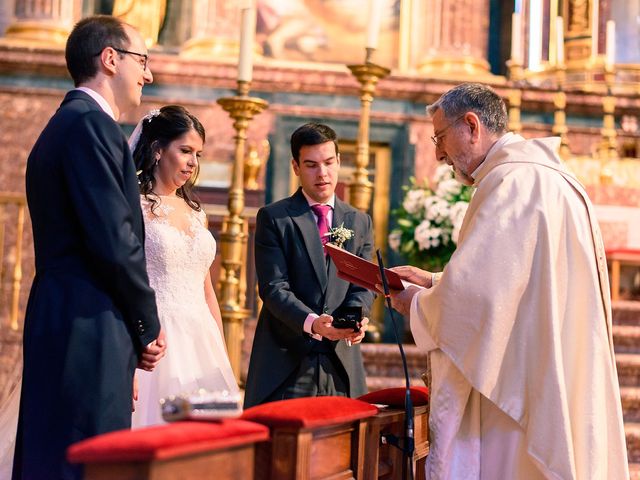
[45, 23]
[215, 28]
[455, 36]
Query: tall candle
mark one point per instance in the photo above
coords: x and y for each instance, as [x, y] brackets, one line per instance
[559, 41]
[247, 35]
[516, 38]
[610, 52]
[375, 18]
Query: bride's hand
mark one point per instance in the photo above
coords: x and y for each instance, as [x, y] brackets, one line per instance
[153, 353]
[135, 393]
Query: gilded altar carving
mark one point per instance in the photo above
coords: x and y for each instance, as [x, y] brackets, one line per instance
[146, 15]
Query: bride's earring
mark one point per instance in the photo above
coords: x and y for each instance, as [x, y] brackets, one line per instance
[157, 160]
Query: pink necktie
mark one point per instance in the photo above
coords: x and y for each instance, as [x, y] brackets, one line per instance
[323, 225]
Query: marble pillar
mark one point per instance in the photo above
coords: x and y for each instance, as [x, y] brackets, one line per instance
[455, 37]
[44, 23]
[215, 29]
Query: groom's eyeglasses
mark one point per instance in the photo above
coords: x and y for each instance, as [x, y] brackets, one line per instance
[144, 57]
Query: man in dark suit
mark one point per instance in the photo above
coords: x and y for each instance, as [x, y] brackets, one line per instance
[296, 351]
[91, 317]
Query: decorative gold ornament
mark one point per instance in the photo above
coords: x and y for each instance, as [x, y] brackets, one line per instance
[253, 163]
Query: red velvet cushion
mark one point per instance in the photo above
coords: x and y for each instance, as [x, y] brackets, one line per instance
[394, 397]
[624, 251]
[166, 441]
[309, 412]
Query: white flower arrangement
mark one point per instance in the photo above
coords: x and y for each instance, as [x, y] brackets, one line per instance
[339, 235]
[429, 220]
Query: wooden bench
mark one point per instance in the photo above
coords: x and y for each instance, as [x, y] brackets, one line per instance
[312, 438]
[384, 461]
[184, 450]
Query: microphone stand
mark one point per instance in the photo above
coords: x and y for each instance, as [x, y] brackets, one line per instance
[406, 443]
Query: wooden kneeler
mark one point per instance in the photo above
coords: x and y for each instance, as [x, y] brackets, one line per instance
[312, 438]
[184, 450]
[384, 461]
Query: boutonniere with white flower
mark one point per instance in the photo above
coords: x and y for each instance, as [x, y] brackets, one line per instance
[339, 235]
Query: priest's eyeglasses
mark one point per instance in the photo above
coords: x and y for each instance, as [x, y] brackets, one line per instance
[437, 137]
[144, 56]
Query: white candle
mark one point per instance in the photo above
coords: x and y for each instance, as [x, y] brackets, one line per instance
[247, 35]
[559, 41]
[516, 39]
[375, 18]
[610, 52]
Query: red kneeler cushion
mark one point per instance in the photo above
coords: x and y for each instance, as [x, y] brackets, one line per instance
[394, 397]
[309, 412]
[166, 441]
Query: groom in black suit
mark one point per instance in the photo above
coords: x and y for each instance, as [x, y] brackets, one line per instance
[296, 351]
[91, 317]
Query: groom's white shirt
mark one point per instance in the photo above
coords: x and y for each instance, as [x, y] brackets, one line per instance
[104, 105]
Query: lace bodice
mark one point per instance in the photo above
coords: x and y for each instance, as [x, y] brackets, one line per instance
[179, 251]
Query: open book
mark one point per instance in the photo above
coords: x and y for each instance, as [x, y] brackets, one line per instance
[359, 271]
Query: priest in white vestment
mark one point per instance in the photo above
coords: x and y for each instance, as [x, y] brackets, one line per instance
[524, 382]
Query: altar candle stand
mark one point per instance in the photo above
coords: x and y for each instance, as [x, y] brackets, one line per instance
[233, 237]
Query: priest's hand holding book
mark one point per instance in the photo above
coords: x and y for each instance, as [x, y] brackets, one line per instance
[414, 280]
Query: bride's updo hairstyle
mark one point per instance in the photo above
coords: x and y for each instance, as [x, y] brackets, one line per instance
[158, 129]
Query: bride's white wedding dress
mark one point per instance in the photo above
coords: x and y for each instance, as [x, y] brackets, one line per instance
[179, 251]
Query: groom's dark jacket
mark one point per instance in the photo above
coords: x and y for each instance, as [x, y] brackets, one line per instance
[294, 280]
[91, 309]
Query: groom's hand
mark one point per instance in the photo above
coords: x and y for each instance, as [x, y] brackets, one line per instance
[135, 393]
[322, 326]
[357, 337]
[153, 353]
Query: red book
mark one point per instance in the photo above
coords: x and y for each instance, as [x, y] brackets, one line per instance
[359, 271]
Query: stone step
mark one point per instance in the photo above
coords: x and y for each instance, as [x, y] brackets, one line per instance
[630, 403]
[380, 383]
[628, 365]
[632, 432]
[626, 312]
[626, 338]
[384, 360]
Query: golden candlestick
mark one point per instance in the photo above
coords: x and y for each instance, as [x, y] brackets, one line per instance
[559, 114]
[516, 76]
[361, 188]
[515, 104]
[233, 237]
[608, 145]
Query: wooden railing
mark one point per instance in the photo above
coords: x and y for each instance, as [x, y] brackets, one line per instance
[12, 216]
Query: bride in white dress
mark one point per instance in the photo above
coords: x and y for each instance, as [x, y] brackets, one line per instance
[179, 248]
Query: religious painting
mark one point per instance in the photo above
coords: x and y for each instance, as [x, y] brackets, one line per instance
[328, 31]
